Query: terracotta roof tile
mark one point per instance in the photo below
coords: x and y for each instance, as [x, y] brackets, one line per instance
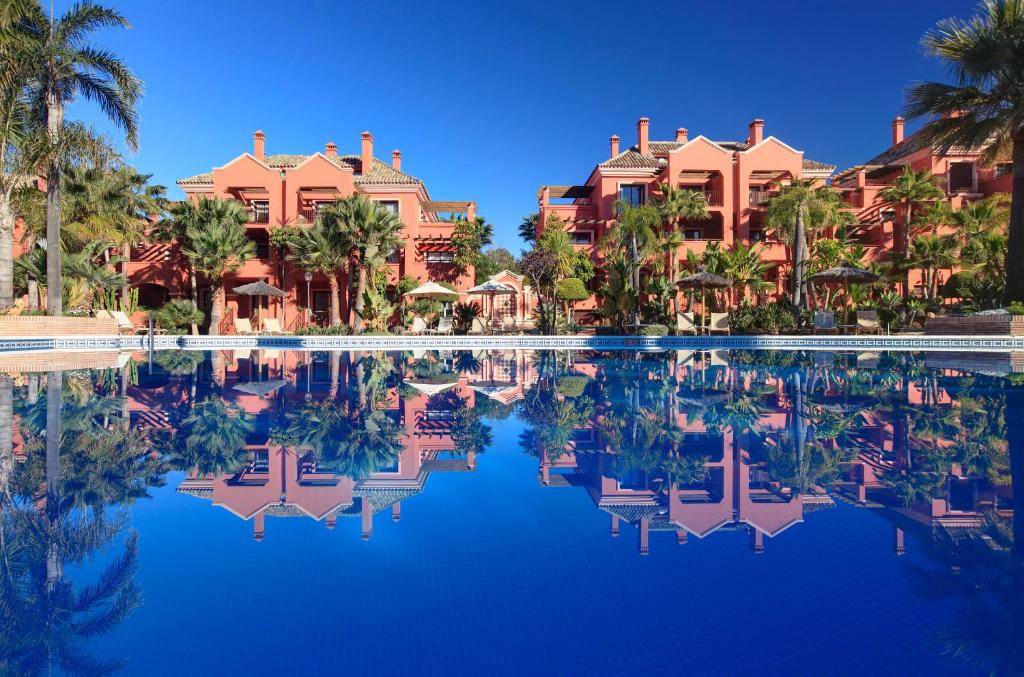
[631, 158]
[815, 166]
[198, 179]
[380, 173]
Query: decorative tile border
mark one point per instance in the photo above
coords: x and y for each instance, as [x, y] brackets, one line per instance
[858, 343]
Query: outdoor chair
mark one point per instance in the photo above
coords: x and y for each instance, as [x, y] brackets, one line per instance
[508, 325]
[867, 360]
[243, 326]
[272, 325]
[825, 322]
[444, 326]
[478, 326]
[418, 327]
[125, 326]
[719, 323]
[867, 322]
[685, 323]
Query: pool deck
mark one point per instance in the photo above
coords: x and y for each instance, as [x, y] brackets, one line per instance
[916, 342]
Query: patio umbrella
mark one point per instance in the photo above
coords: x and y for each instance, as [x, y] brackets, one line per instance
[431, 290]
[703, 281]
[260, 388]
[490, 288]
[431, 388]
[846, 274]
[259, 289]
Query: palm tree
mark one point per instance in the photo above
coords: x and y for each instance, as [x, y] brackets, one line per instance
[322, 249]
[63, 67]
[746, 268]
[982, 108]
[801, 208]
[528, 227]
[907, 191]
[635, 233]
[211, 439]
[217, 244]
[376, 235]
[931, 253]
[677, 205]
[555, 240]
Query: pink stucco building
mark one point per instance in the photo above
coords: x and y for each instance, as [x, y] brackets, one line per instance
[288, 189]
[736, 178]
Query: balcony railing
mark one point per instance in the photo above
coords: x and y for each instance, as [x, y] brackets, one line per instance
[760, 197]
[308, 213]
[259, 212]
[713, 198]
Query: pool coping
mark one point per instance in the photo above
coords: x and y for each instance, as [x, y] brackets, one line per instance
[994, 343]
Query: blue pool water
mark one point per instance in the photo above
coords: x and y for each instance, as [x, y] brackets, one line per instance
[275, 512]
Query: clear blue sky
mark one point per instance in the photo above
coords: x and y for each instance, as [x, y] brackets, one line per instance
[487, 101]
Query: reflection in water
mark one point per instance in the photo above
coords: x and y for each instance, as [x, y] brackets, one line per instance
[693, 443]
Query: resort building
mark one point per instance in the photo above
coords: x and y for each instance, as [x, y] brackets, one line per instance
[882, 225]
[736, 178]
[288, 189]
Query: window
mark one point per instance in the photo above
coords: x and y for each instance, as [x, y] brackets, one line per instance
[395, 256]
[1004, 168]
[757, 235]
[633, 195]
[440, 257]
[390, 205]
[693, 234]
[260, 211]
[961, 177]
[888, 215]
[261, 239]
[581, 236]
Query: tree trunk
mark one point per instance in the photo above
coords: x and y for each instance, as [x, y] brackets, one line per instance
[126, 252]
[635, 257]
[906, 247]
[6, 252]
[54, 397]
[799, 243]
[1015, 246]
[216, 309]
[332, 281]
[6, 433]
[54, 285]
[334, 360]
[360, 292]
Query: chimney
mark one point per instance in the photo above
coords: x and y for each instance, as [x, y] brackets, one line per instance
[331, 149]
[396, 160]
[897, 131]
[258, 528]
[681, 135]
[641, 136]
[259, 145]
[615, 144]
[367, 155]
[756, 132]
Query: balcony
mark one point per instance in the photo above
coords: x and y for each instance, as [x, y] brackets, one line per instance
[713, 198]
[759, 197]
[259, 212]
[308, 213]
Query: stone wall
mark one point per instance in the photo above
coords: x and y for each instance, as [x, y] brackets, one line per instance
[976, 325]
[43, 325]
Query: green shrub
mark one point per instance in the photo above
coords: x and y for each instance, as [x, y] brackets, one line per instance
[1016, 308]
[572, 386]
[654, 330]
[178, 316]
[329, 330]
[572, 289]
[464, 314]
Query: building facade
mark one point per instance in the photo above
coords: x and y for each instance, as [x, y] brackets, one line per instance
[736, 178]
[287, 190]
[960, 173]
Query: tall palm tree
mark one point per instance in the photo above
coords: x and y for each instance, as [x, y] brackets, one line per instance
[634, 233]
[982, 108]
[64, 67]
[217, 244]
[211, 439]
[746, 268]
[801, 208]
[376, 235]
[323, 249]
[931, 253]
[909, 190]
[677, 205]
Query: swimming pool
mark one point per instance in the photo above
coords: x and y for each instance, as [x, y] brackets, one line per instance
[268, 511]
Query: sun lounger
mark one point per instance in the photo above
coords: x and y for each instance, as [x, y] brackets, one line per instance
[719, 323]
[685, 323]
[418, 326]
[867, 322]
[825, 322]
[478, 326]
[125, 326]
[444, 326]
[243, 326]
[272, 325]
